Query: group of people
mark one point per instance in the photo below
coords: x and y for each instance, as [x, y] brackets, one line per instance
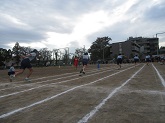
[85, 59]
[135, 59]
[26, 59]
[25, 63]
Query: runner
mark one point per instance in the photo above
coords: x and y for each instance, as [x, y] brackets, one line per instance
[76, 62]
[147, 59]
[136, 59]
[85, 59]
[26, 64]
[119, 60]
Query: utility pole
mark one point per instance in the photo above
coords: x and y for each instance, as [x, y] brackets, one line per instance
[120, 48]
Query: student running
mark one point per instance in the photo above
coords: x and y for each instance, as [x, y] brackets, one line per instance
[147, 59]
[136, 59]
[25, 63]
[85, 59]
[76, 60]
[119, 60]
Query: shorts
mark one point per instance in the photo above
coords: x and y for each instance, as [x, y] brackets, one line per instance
[136, 60]
[25, 64]
[147, 60]
[119, 61]
[11, 73]
[85, 61]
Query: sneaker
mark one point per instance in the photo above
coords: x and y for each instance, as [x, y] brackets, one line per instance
[11, 77]
[81, 70]
[27, 80]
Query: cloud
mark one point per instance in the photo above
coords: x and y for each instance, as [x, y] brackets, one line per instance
[75, 23]
[156, 11]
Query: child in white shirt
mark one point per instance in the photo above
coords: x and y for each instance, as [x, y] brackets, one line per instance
[11, 72]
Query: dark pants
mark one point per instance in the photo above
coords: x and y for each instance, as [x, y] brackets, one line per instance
[119, 61]
[11, 73]
[25, 64]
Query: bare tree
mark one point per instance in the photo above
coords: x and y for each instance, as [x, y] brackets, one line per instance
[45, 55]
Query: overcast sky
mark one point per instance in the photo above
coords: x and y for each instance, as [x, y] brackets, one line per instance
[57, 24]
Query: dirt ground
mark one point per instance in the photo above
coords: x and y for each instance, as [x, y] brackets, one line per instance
[132, 94]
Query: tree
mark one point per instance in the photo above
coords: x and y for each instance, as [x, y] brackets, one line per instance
[3, 53]
[55, 56]
[79, 52]
[45, 55]
[9, 54]
[100, 49]
[16, 52]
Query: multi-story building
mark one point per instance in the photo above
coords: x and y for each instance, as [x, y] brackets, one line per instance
[136, 46]
[127, 48]
[162, 50]
[148, 45]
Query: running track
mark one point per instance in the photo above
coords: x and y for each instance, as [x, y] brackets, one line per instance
[95, 97]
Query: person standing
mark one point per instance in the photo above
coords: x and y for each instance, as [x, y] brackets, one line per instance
[119, 60]
[76, 60]
[25, 63]
[85, 59]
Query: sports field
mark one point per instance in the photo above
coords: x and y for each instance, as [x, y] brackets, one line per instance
[106, 95]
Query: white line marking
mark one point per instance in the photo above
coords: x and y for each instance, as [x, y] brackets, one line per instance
[50, 84]
[161, 78]
[49, 98]
[89, 115]
[48, 80]
[144, 91]
[92, 69]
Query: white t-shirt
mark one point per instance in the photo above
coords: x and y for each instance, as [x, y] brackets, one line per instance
[147, 57]
[136, 57]
[11, 69]
[86, 57]
[31, 56]
[119, 57]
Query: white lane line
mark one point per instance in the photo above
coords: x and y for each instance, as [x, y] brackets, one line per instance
[89, 115]
[144, 91]
[160, 77]
[49, 98]
[47, 84]
[35, 79]
[48, 80]
[92, 69]
[2, 96]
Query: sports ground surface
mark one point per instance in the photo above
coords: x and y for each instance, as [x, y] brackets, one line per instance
[106, 95]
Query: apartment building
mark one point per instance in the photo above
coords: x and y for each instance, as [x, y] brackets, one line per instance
[148, 45]
[127, 48]
[162, 50]
[138, 45]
